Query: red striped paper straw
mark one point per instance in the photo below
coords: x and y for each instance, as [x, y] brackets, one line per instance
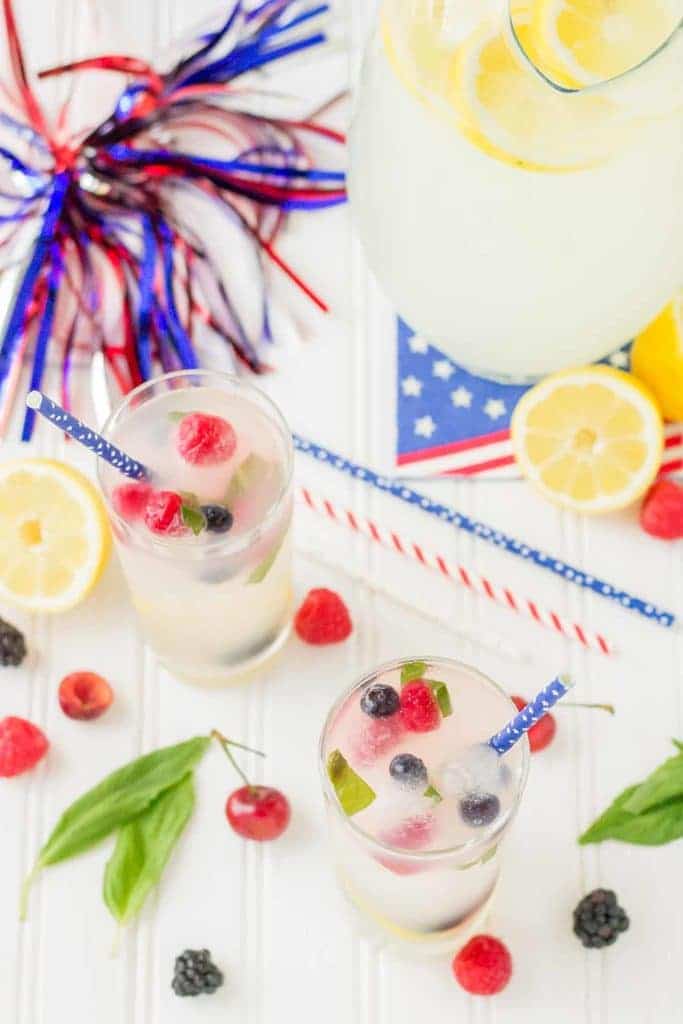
[456, 573]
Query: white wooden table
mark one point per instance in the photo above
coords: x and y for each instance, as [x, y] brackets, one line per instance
[271, 914]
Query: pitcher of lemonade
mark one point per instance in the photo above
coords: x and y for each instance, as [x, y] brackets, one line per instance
[517, 174]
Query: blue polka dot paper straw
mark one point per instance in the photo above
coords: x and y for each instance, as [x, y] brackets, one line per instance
[90, 439]
[528, 716]
[487, 533]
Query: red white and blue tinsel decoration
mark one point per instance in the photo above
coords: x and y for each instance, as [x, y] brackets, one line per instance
[82, 211]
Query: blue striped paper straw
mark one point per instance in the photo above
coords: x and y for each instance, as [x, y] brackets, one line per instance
[90, 439]
[528, 716]
[492, 536]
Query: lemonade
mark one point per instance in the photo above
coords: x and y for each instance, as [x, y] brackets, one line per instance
[206, 543]
[417, 802]
[522, 227]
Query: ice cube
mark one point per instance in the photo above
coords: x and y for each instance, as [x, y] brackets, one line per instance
[478, 769]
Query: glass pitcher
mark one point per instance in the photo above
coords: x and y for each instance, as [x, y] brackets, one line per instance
[517, 174]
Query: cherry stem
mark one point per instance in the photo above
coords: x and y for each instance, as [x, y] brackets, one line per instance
[609, 708]
[226, 744]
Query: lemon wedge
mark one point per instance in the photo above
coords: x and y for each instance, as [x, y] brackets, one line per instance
[657, 358]
[577, 42]
[54, 535]
[590, 439]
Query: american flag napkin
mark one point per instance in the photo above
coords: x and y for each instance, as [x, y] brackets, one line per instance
[451, 423]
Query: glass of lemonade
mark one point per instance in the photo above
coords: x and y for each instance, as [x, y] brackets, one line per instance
[516, 179]
[417, 802]
[205, 545]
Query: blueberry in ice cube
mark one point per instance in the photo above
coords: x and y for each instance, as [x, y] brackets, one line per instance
[218, 518]
[380, 701]
[479, 809]
[408, 771]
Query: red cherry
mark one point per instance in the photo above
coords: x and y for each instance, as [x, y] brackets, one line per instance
[130, 499]
[163, 514]
[84, 695]
[541, 734]
[258, 812]
[419, 709]
[205, 440]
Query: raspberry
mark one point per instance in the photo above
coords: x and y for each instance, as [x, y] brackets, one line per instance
[484, 966]
[205, 440]
[163, 514]
[323, 618]
[411, 834]
[130, 500]
[661, 514]
[540, 735]
[378, 737]
[22, 745]
[419, 709]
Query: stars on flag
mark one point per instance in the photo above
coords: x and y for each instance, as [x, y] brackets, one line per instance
[495, 408]
[418, 345]
[424, 426]
[411, 387]
[619, 359]
[461, 398]
[443, 369]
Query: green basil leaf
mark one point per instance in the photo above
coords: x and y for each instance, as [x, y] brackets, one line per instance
[119, 798]
[665, 783]
[189, 498]
[143, 848]
[177, 415]
[412, 670]
[249, 472]
[264, 567]
[353, 793]
[443, 697]
[655, 827]
[678, 744]
[432, 793]
[193, 518]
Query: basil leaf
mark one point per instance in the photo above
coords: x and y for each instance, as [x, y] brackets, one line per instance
[143, 848]
[433, 794]
[193, 518]
[264, 567]
[443, 697]
[665, 783]
[655, 827]
[189, 498]
[177, 415]
[678, 744]
[412, 670]
[120, 797]
[353, 793]
[246, 475]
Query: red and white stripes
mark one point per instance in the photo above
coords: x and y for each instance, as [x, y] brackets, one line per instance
[456, 573]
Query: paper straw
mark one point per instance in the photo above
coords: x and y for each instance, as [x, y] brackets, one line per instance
[454, 572]
[529, 715]
[516, 547]
[90, 439]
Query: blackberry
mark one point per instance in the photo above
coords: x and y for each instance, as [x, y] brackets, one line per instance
[408, 770]
[598, 919]
[218, 518]
[12, 644]
[195, 973]
[479, 809]
[380, 701]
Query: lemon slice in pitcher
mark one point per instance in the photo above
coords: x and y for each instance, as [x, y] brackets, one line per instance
[590, 439]
[579, 42]
[54, 535]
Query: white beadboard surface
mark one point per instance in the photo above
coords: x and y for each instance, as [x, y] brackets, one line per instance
[271, 914]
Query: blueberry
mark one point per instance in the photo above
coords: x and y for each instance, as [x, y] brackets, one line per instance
[479, 809]
[409, 770]
[380, 701]
[218, 518]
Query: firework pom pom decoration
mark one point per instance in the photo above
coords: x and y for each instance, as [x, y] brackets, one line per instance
[81, 213]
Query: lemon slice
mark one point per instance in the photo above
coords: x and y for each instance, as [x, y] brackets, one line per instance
[512, 114]
[576, 42]
[657, 358]
[590, 439]
[54, 535]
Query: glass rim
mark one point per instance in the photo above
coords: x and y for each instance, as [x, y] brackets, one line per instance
[421, 856]
[222, 545]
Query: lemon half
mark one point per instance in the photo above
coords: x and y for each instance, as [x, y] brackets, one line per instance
[54, 535]
[590, 439]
